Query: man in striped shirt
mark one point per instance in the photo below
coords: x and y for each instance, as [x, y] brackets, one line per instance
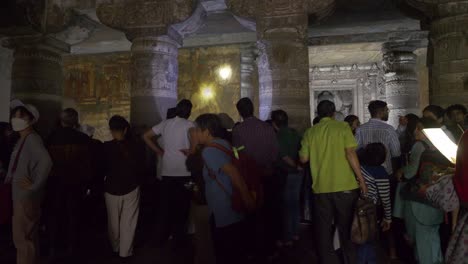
[378, 131]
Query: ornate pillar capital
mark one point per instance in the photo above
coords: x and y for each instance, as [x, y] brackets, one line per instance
[401, 82]
[144, 18]
[254, 9]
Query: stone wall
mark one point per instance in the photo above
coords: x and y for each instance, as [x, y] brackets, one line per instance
[6, 62]
[99, 87]
[200, 82]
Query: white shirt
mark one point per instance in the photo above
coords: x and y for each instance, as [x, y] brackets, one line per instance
[174, 138]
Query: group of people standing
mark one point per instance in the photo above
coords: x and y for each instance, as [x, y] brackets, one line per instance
[238, 184]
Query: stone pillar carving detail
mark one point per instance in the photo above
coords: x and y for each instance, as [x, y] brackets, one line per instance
[283, 63]
[248, 83]
[154, 54]
[448, 51]
[154, 72]
[401, 81]
[37, 78]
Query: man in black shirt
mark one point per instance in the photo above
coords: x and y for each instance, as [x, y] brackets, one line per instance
[71, 173]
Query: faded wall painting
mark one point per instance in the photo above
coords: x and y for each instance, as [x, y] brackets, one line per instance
[210, 78]
[350, 87]
[98, 86]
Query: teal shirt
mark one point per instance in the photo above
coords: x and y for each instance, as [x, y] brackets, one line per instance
[289, 143]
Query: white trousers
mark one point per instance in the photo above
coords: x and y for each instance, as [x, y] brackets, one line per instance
[122, 218]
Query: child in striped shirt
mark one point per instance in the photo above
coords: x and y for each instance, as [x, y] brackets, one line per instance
[378, 183]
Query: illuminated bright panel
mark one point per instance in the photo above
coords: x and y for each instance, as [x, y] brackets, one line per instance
[442, 142]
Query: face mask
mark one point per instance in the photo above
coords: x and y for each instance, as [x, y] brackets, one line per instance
[19, 124]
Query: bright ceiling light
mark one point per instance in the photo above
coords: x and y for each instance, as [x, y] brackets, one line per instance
[225, 72]
[207, 93]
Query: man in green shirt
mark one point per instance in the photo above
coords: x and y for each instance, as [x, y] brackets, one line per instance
[336, 175]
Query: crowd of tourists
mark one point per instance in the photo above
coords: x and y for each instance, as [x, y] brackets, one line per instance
[238, 186]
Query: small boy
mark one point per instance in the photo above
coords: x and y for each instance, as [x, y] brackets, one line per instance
[378, 183]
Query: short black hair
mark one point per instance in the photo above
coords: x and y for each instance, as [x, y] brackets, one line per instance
[171, 113]
[316, 120]
[279, 118]
[245, 107]
[438, 111]
[184, 108]
[23, 111]
[212, 123]
[429, 123]
[376, 106]
[350, 119]
[69, 117]
[118, 123]
[326, 109]
[374, 154]
[456, 107]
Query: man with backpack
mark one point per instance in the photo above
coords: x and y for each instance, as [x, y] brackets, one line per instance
[336, 175]
[227, 193]
[257, 140]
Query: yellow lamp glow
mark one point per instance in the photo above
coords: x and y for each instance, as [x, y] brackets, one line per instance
[207, 93]
[225, 72]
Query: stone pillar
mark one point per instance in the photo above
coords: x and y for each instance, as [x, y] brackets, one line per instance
[154, 54]
[401, 81]
[37, 78]
[154, 79]
[449, 65]
[248, 73]
[283, 63]
[448, 50]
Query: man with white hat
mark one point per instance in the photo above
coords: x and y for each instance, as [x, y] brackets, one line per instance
[28, 172]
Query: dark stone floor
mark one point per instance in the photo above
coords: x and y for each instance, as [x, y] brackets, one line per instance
[95, 249]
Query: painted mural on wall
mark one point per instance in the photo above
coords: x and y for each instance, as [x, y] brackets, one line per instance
[99, 87]
[350, 87]
[201, 82]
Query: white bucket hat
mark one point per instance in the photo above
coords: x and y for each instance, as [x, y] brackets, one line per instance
[31, 108]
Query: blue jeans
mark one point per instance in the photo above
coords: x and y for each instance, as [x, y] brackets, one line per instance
[291, 205]
[366, 254]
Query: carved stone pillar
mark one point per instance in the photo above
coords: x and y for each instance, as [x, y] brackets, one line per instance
[401, 81]
[248, 73]
[448, 50]
[154, 79]
[283, 63]
[37, 78]
[154, 54]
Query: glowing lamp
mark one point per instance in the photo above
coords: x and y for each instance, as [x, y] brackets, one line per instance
[225, 72]
[207, 93]
[442, 142]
